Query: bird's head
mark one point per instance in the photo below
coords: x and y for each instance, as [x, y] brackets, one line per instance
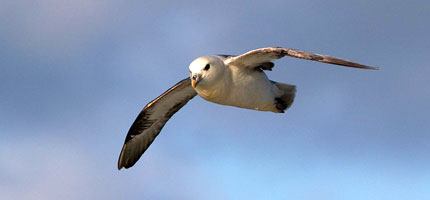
[206, 70]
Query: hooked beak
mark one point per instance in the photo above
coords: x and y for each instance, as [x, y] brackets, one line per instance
[195, 79]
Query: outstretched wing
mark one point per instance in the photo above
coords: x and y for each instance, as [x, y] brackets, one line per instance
[263, 56]
[151, 120]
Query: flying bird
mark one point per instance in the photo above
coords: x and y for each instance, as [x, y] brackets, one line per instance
[223, 79]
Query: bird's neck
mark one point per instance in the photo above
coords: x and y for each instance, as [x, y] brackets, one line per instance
[215, 91]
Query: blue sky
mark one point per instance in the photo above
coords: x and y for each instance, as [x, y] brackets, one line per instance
[74, 75]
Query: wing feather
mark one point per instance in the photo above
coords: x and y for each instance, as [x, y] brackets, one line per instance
[257, 57]
[152, 119]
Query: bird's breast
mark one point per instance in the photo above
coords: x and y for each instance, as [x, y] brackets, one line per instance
[252, 91]
[214, 94]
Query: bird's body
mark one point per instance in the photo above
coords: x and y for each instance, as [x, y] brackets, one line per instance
[240, 88]
[237, 81]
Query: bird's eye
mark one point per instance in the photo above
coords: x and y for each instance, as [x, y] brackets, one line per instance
[207, 67]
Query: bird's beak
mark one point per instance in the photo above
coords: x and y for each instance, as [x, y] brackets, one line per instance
[195, 79]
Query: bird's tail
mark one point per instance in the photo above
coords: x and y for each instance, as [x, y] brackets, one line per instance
[284, 101]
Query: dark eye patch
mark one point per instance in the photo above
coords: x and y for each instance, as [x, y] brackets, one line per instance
[207, 67]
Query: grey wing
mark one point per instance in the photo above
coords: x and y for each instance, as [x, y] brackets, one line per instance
[264, 56]
[151, 120]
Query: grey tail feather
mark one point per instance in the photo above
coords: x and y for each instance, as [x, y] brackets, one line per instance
[284, 101]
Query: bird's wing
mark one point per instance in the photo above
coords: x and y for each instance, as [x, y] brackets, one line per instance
[263, 57]
[151, 120]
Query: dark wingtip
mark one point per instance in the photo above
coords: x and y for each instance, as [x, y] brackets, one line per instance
[124, 165]
[120, 159]
[369, 67]
[120, 166]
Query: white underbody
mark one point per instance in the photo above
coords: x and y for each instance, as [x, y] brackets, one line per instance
[243, 88]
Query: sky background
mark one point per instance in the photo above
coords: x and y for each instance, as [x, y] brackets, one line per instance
[75, 74]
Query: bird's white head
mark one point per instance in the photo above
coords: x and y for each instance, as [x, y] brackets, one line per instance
[206, 71]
